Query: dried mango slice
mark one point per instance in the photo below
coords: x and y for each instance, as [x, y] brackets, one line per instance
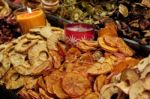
[110, 41]
[58, 91]
[106, 47]
[124, 64]
[124, 48]
[109, 29]
[74, 84]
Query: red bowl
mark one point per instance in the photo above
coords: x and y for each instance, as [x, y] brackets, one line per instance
[78, 31]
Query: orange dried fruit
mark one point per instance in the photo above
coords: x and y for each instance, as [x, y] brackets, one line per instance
[44, 94]
[75, 84]
[110, 41]
[92, 95]
[106, 47]
[41, 83]
[52, 79]
[56, 58]
[99, 68]
[109, 29]
[124, 64]
[124, 48]
[58, 91]
[85, 45]
[33, 94]
[72, 54]
[86, 59]
[99, 82]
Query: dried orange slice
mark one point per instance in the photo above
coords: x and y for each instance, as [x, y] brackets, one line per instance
[58, 91]
[74, 84]
[52, 79]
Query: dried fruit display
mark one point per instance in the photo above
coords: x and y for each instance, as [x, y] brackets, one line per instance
[41, 65]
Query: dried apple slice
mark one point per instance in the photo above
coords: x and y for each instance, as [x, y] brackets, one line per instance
[74, 84]
[106, 47]
[99, 68]
[138, 88]
[108, 91]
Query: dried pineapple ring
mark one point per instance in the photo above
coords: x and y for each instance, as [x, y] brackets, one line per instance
[57, 88]
[106, 47]
[75, 84]
[13, 80]
[24, 45]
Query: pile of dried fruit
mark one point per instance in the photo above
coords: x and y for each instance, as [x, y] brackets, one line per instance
[85, 11]
[26, 54]
[133, 20]
[41, 64]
